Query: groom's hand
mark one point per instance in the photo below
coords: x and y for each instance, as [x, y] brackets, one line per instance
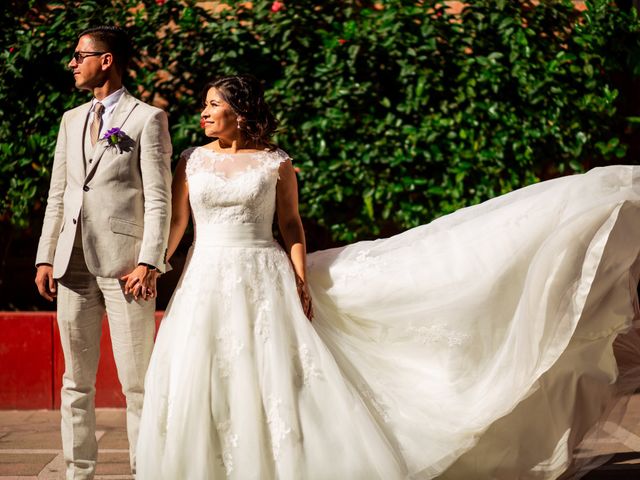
[141, 282]
[47, 286]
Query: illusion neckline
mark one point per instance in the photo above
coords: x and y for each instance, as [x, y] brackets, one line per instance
[221, 157]
[255, 152]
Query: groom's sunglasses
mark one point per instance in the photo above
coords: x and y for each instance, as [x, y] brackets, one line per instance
[79, 56]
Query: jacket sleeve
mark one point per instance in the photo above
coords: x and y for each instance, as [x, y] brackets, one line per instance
[54, 212]
[155, 166]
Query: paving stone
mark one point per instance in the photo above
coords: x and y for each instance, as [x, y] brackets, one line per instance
[111, 417]
[44, 416]
[23, 463]
[21, 477]
[114, 439]
[11, 417]
[54, 470]
[113, 464]
[32, 440]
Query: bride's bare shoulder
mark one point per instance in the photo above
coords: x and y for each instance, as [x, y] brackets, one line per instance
[185, 155]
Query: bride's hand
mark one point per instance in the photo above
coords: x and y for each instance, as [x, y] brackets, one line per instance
[305, 298]
[147, 289]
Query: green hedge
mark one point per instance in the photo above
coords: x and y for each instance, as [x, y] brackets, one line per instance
[396, 112]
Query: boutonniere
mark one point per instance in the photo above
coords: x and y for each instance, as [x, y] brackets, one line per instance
[118, 139]
[113, 136]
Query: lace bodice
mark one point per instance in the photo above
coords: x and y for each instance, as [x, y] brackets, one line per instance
[232, 188]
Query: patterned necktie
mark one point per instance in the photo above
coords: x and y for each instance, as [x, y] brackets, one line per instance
[97, 121]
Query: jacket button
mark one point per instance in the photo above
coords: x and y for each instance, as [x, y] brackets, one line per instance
[85, 188]
[75, 221]
[90, 160]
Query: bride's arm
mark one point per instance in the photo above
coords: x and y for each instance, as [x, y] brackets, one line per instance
[291, 229]
[180, 213]
[180, 210]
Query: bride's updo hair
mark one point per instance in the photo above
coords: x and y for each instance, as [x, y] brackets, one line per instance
[245, 96]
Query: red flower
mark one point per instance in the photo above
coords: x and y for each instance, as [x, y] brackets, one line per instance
[161, 2]
[276, 6]
[342, 41]
[11, 49]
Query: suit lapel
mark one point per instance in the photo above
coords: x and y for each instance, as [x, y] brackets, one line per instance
[78, 123]
[125, 106]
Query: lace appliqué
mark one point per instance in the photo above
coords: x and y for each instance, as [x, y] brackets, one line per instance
[238, 188]
[164, 417]
[229, 166]
[439, 334]
[375, 402]
[229, 441]
[229, 348]
[237, 273]
[305, 366]
[261, 302]
[365, 262]
[262, 325]
[278, 429]
[232, 281]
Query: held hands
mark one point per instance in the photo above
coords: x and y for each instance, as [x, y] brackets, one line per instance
[141, 282]
[305, 298]
[47, 286]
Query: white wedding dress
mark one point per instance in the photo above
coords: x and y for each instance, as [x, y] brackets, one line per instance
[478, 346]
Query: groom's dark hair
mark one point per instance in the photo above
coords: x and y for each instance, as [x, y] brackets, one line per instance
[113, 40]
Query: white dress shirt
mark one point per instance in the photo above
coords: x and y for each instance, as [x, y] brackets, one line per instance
[109, 103]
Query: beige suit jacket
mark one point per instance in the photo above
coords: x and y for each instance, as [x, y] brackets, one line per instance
[122, 197]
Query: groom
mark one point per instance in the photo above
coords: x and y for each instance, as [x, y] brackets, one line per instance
[105, 230]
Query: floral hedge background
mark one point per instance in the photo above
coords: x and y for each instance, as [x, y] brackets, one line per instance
[396, 112]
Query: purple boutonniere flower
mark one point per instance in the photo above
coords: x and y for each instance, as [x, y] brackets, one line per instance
[117, 139]
[113, 136]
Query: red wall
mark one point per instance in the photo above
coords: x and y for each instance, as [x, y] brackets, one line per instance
[32, 363]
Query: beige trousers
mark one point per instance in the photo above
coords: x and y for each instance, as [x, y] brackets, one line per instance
[82, 302]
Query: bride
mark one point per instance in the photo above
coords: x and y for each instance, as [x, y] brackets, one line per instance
[478, 346]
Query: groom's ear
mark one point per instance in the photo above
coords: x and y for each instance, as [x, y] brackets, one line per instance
[107, 61]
